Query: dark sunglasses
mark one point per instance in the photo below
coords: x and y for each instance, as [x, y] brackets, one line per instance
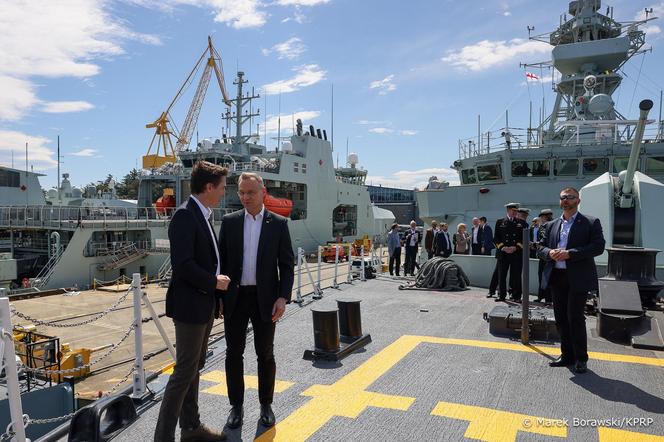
[567, 197]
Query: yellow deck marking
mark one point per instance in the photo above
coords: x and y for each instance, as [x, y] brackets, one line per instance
[614, 435]
[347, 397]
[249, 382]
[491, 425]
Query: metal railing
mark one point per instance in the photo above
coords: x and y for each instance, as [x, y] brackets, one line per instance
[70, 217]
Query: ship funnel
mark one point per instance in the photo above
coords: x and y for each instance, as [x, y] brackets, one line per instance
[644, 107]
[324, 134]
[299, 127]
[312, 132]
[319, 134]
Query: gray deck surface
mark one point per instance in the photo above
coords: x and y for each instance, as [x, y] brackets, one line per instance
[503, 380]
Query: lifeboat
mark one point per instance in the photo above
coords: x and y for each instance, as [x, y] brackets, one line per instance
[166, 203]
[281, 206]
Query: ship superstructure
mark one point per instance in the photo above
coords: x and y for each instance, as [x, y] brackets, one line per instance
[584, 137]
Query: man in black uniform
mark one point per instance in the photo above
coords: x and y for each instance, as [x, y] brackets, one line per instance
[507, 236]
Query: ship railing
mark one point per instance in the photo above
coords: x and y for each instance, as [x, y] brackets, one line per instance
[600, 132]
[252, 166]
[45, 216]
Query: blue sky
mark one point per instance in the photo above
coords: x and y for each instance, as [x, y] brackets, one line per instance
[409, 78]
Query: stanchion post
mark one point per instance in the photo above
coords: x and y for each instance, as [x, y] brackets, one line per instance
[299, 276]
[350, 263]
[139, 373]
[11, 374]
[380, 254]
[335, 284]
[320, 253]
[362, 275]
[525, 287]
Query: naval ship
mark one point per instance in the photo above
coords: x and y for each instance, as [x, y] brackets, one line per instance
[584, 136]
[62, 241]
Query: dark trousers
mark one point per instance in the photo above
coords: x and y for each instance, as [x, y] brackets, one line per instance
[235, 328]
[476, 249]
[568, 306]
[429, 254]
[512, 263]
[411, 255]
[395, 259]
[495, 278]
[542, 293]
[181, 394]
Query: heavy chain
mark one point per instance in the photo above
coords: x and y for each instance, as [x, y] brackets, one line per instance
[9, 431]
[50, 420]
[46, 372]
[76, 324]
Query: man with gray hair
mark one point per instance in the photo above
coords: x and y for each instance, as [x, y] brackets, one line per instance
[257, 255]
[412, 239]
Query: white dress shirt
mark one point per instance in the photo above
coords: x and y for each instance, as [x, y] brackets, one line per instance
[206, 211]
[475, 230]
[565, 227]
[252, 233]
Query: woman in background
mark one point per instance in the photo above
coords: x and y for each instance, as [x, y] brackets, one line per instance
[461, 240]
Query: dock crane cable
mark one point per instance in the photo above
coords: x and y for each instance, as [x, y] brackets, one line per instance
[164, 125]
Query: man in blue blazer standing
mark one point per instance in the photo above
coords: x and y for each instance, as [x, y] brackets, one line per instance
[569, 246]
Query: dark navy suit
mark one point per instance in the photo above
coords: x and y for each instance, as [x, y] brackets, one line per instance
[570, 286]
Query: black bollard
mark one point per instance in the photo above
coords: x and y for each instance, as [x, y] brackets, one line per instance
[350, 319]
[628, 263]
[326, 330]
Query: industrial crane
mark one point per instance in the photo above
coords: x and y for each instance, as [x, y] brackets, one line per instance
[162, 125]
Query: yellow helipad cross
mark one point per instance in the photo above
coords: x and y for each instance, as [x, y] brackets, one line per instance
[249, 382]
[491, 425]
[348, 396]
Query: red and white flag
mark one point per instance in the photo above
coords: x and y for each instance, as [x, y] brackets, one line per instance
[531, 76]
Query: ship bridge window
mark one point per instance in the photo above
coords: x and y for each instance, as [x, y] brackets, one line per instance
[620, 164]
[468, 176]
[595, 166]
[9, 178]
[530, 168]
[655, 165]
[296, 167]
[566, 167]
[489, 172]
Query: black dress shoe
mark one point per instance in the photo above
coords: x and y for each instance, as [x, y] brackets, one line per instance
[267, 415]
[580, 367]
[235, 417]
[499, 300]
[490, 295]
[560, 362]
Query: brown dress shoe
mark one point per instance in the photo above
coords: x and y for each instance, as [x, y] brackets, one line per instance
[201, 434]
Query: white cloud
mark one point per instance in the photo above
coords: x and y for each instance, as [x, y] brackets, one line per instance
[408, 132]
[39, 155]
[409, 179]
[384, 86]
[239, 14]
[16, 98]
[58, 107]
[373, 122]
[290, 49]
[301, 2]
[298, 17]
[507, 13]
[488, 54]
[85, 153]
[85, 31]
[287, 120]
[381, 130]
[306, 75]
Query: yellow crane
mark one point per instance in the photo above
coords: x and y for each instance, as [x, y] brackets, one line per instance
[162, 125]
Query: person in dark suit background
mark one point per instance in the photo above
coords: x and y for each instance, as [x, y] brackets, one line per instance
[429, 238]
[412, 239]
[257, 255]
[533, 231]
[545, 216]
[486, 234]
[569, 246]
[443, 242]
[192, 301]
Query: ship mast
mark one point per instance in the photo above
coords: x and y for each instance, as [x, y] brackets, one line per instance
[240, 116]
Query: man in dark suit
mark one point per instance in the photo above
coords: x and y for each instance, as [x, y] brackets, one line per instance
[443, 242]
[256, 253]
[412, 241]
[192, 301]
[569, 246]
[429, 238]
[487, 237]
